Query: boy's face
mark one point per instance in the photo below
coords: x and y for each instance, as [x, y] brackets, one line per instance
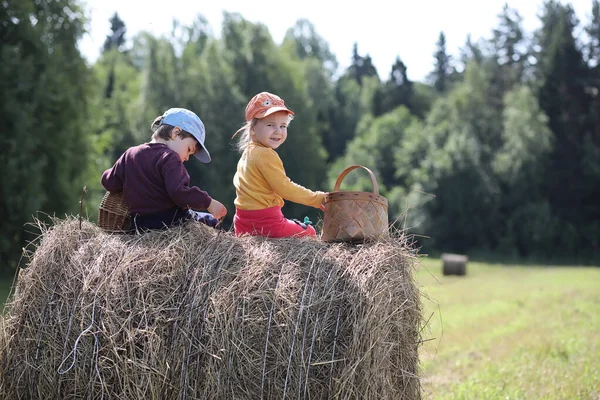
[271, 131]
[184, 147]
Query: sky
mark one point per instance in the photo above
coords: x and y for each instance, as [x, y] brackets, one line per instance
[384, 29]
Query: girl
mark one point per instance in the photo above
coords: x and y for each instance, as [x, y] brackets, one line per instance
[260, 181]
[155, 183]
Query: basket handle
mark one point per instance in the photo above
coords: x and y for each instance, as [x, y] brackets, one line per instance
[338, 183]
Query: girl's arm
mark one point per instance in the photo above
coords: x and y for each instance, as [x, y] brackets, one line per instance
[272, 169]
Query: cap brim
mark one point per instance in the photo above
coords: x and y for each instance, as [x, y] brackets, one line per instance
[203, 155]
[277, 109]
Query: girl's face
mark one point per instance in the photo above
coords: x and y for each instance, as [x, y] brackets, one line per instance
[185, 147]
[271, 131]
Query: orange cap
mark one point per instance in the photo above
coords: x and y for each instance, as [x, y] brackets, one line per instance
[264, 104]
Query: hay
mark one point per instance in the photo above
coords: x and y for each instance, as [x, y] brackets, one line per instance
[192, 313]
[454, 264]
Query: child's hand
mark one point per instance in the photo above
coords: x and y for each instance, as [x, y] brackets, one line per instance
[323, 198]
[217, 209]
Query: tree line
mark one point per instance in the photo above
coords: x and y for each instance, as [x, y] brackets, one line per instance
[497, 152]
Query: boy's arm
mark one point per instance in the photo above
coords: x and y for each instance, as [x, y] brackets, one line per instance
[177, 182]
[271, 166]
[112, 178]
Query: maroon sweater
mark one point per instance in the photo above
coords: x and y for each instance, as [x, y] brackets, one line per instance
[153, 179]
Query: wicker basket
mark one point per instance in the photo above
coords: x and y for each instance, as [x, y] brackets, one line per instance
[355, 216]
[113, 214]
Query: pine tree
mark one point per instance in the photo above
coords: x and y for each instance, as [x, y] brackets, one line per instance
[116, 38]
[361, 67]
[442, 69]
[510, 49]
[593, 60]
[570, 180]
[396, 91]
[471, 52]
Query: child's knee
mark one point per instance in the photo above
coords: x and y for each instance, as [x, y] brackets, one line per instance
[310, 231]
[205, 218]
[301, 229]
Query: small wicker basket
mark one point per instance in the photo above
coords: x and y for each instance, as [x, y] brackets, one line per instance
[113, 214]
[355, 216]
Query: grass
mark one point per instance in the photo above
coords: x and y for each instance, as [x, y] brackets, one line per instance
[506, 332]
[510, 332]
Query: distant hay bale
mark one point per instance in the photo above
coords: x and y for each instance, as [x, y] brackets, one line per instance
[193, 313]
[454, 264]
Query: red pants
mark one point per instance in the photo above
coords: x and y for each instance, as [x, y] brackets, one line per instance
[268, 222]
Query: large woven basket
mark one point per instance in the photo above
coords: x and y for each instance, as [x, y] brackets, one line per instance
[113, 214]
[355, 216]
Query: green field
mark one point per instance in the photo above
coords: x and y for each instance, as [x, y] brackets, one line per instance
[507, 332]
[510, 332]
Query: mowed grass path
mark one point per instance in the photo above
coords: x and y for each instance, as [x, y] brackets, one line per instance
[511, 332]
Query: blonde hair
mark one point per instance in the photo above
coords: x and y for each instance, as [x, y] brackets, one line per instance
[245, 136]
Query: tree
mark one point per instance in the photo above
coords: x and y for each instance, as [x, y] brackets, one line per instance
[190, 41]
[442, 68]
[471, 52]
[508, 37]
[116, 38]
[114, 41]
[44, 82]
[446, 167]
[308, 43]
[161, 84]
[593, 33]
[375, 145]
[345, 116]
[251, 70]
[593, 60]
[113, 120]
[361, 67]
[519, 163]
[318, 65]
[354, 92]
[510, 49]
[396, 91]
[564, 96]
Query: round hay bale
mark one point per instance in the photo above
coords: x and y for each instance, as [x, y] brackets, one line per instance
[454, 264]
[194, 313]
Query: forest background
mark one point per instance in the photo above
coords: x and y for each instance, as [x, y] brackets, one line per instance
[496, 154]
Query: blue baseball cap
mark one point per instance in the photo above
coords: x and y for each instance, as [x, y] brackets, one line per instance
[191, 123]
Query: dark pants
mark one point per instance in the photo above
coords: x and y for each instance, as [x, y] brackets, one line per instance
[172, 217]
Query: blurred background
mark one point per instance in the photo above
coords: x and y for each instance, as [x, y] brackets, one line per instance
[480, 121]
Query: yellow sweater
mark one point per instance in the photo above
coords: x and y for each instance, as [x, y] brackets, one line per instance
[260, 182]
